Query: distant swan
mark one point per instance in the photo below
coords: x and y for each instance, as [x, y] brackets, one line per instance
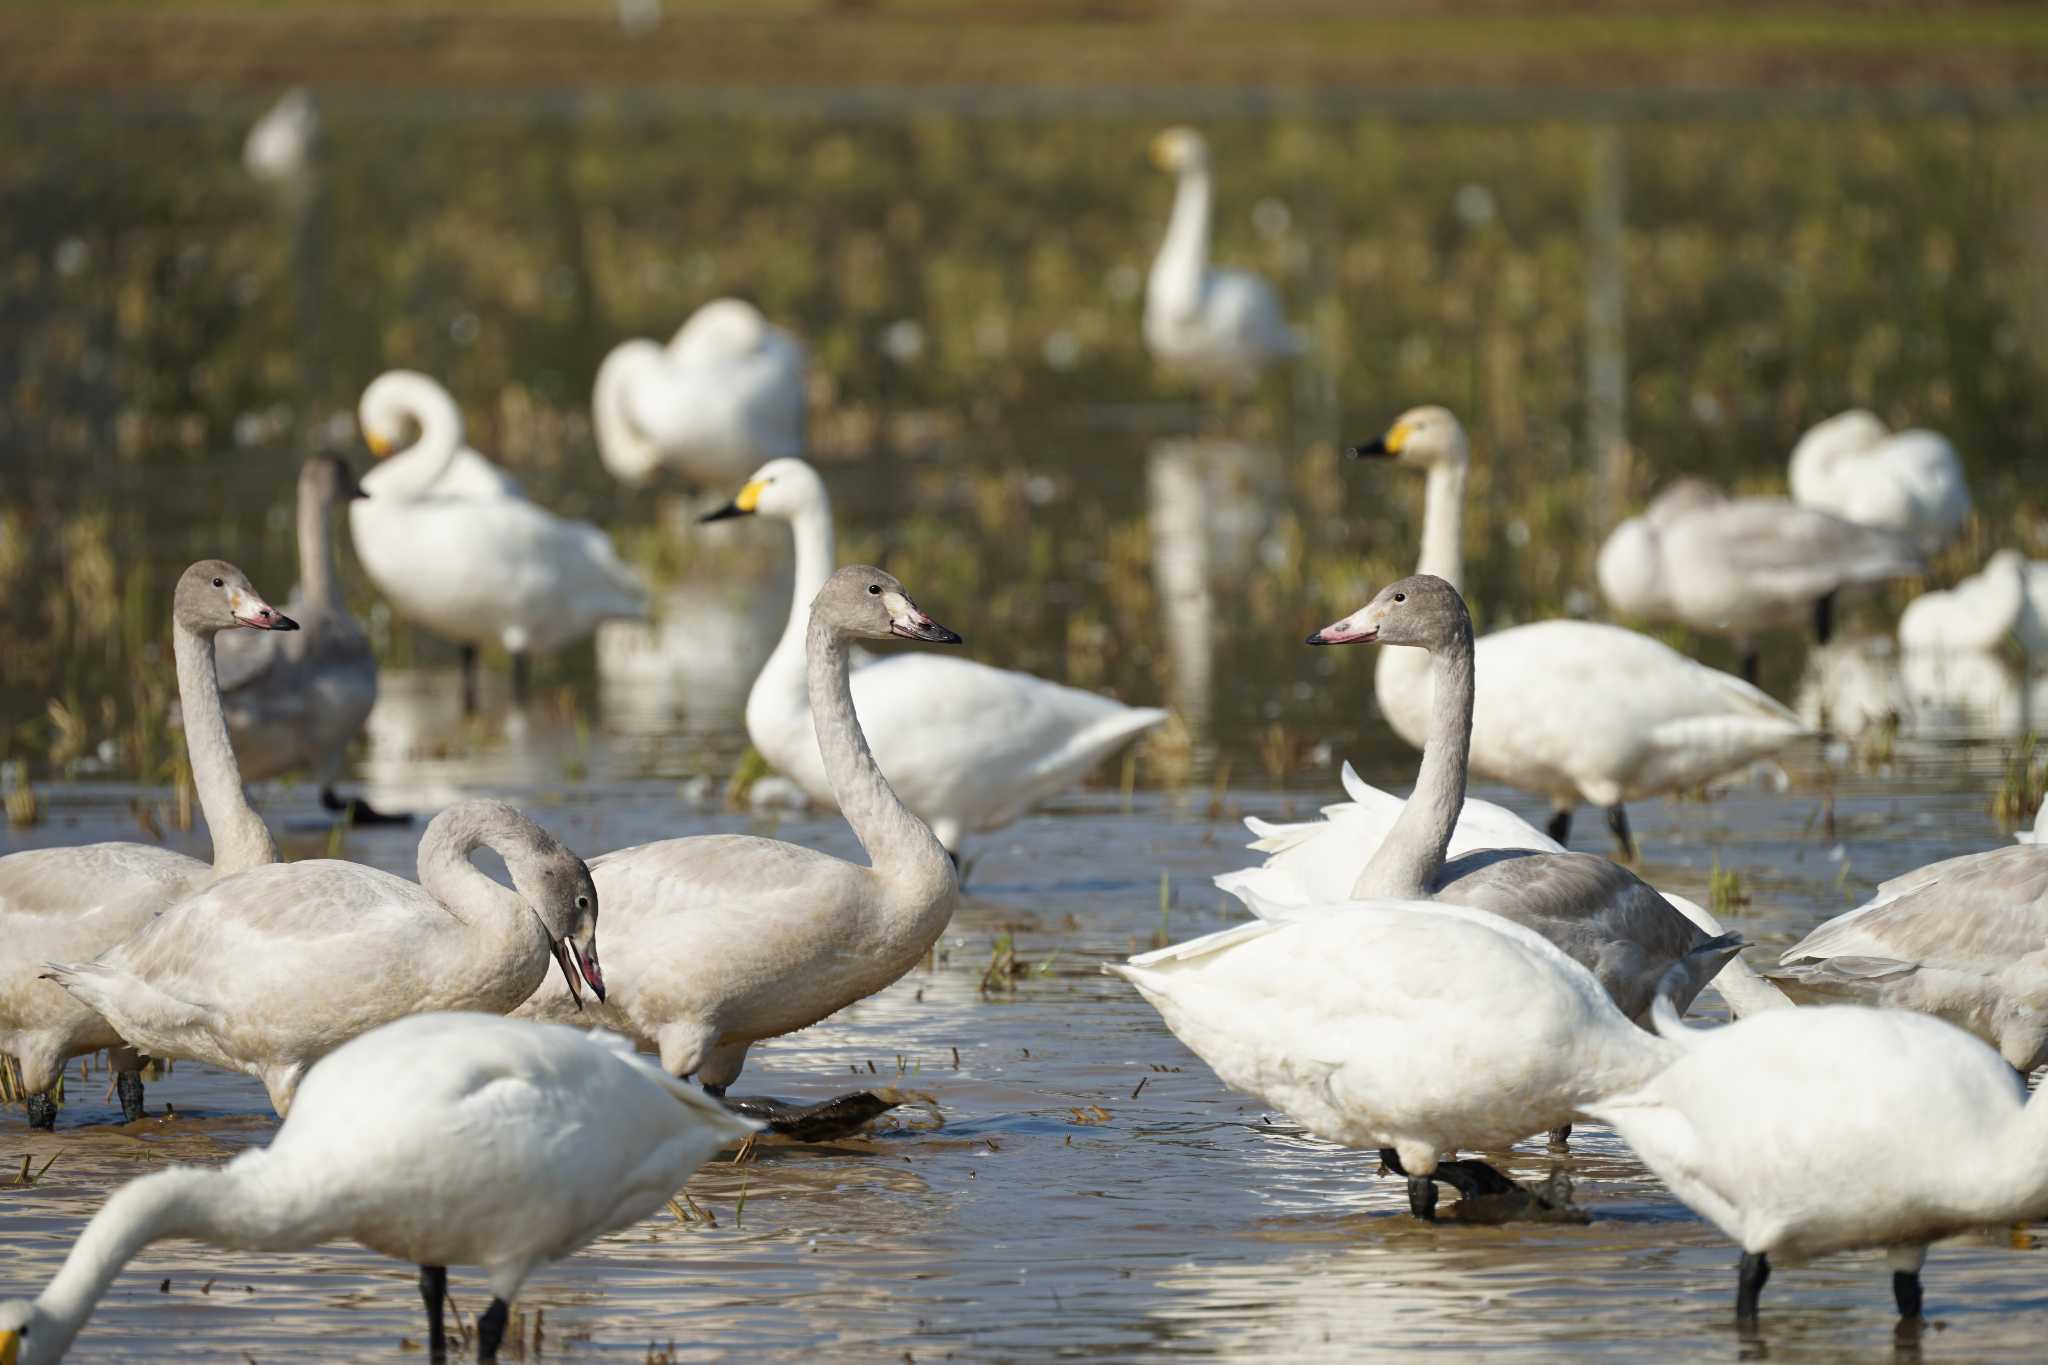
[398, 400]
[726, 394]
[1210, 321]
[441, 1139]
[479, 569]
[77, 902]
[1569, 710]
[1908, 482]
[2006, 600]
[267, 971]
[966, 746]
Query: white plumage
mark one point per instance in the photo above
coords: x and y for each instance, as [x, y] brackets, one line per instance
[1908, 482]
[2007, 599]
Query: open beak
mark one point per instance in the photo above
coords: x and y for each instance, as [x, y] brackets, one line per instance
[906, 620]
[1350, 631]
[562, 953]
[257, 614]
[742, 506]
[586, 963]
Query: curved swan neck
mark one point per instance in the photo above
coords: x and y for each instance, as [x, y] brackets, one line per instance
[900, 846]
[1443, 523]
[318, 579]
[451, 878]
[412, 472]
[1408, 860]
[784, 676]
[625, 449]
[1177, 270]
[240, 838]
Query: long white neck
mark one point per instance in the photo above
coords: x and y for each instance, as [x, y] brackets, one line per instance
[1175, 284]
[781, 686]
[228, 1207]
[901, 847]
[319, 583]
[498, 915]
[240, 839]
[1443, 523]
[624, 448]
[1407, 861]
[412, 472]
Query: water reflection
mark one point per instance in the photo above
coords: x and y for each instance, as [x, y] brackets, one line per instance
[1861, 686]
[672, 684]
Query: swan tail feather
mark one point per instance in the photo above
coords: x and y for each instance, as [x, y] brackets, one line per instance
[1842, 971]
[125, 999]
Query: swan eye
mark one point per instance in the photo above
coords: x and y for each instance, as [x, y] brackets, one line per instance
[219, 583]
[874, 589]
[1400, 597]
[583, 902]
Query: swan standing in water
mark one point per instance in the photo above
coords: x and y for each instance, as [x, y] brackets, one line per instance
[402, 401]
[2007, 599]
[1908, 482]
[1964, 939]
[722, 940]
[1213, 322]
[1569, 710]
[726, 394]
[76, 902]
[296, 701]
[966, 746]
[269, 970]
[1739, 566]
[1417, 1028]
[473, 568]
[441, 1139]
[1801, 1132]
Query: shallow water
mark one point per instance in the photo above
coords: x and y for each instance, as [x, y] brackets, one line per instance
[1093, 1189]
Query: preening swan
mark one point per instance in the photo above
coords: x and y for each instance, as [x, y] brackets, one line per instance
[1965, 939]
[1569, 710]
[1908, 482]
[1801, 1132]
[402, 401]
[726, 394]
[2007, 599]
[721, 940]
[77, 902]
[480, 570]
[1740, 566]
[966, 746]
[269, 970]
[1413, 1027]
[441, 1139]
[297, 700]
[1211, 321]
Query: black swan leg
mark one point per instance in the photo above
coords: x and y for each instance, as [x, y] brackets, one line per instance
[1750, 1279]
[1624, 838]
[1906, 1291]
[1560, 827]
[434, 1292]
[1752, 665]
[1561, 1138]
[1824, 619]
[522, 678]
[128, 1085]
[490, 1329]
[42, 1112]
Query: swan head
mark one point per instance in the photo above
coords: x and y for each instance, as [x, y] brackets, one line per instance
[1423, 437]
[1681, 499]
[1421, 610]
[327, 479]
[401, 404]
[1180, 150]
[1630, 568]
[781, 490]
[862, 601]
[213, 595]
[557, 884]
[28, 1335]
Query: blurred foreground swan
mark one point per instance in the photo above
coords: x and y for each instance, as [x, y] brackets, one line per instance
[297, 700]
[722, 940]
[1414, 1027]
[77, 902]
[966, 746]
[267, 971]
[1908, 482]
[1210, 321]
[440, 1139]
[475, 568]
[1741, 566]
[1569, 710]
[1801, 1132]
[726, 394]
[1964, 939]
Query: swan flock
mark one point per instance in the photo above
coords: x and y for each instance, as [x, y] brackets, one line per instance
[475, 1070]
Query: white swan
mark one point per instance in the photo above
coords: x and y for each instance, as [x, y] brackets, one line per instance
[1802, 1132]
[2007, 599]
[442, 1139]
[1740, 566]
[298, 700]
[719, 941]
[726, 394]
[269, 970]
[76, 902]
[281, 144]
[1909, 482]
[483, 570]
[1569, 710]
[1965, 939]
[1413, 1027]
[399, 401]
[1210, 321]
[966, 746]
[2039, 833]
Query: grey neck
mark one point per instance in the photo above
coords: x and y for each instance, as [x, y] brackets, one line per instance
[319, 584]
[240, 839]
[1409, 860]
[900, 846]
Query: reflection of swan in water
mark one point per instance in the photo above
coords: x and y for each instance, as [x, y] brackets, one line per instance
[1861, 684]
[690, 668]
[1853, 685]
[424, 753]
